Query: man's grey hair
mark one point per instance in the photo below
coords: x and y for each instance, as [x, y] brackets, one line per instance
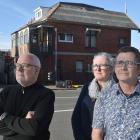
[34, 58]
[108, 56]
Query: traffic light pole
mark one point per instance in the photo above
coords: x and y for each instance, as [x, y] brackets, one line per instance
[55, 55]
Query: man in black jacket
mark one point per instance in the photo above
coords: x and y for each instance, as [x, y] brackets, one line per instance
[27, 108]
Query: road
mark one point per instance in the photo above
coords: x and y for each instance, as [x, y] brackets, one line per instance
[60, 127]
[61, 124]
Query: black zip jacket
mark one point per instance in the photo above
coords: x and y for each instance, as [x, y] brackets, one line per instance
[17, 102]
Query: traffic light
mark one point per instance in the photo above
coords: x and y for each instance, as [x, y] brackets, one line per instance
[50, 76]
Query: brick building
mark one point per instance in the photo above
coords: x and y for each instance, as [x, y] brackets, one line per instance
[67, 35]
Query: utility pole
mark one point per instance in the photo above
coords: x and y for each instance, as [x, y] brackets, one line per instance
[125, 7]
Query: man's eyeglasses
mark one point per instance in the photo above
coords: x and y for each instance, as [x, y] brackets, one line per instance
[101, 66]
[127, 63]
[23, 66]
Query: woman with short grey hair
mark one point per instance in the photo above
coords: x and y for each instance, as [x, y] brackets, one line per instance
[102, 69]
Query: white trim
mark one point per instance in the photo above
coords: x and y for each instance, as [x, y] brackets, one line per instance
[93, 29]
[65, 37]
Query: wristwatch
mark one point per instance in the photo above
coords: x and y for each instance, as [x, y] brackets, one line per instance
[3, 115]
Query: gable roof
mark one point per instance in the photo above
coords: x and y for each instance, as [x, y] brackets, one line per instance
[87, 14]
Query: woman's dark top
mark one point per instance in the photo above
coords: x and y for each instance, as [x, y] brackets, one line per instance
[82, 116]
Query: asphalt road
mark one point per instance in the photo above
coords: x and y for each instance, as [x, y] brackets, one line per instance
[61, 124]
[60, 127]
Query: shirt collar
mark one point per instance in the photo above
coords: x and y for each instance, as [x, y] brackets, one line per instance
[136, 90]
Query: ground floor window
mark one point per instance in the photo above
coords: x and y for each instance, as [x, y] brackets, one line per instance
[79, 66]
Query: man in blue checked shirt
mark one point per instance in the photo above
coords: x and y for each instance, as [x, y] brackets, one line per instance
[117, 111]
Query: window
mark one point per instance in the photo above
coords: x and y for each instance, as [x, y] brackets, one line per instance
[34, 37]
[18, 40]
[122, 41]
[91, 38]
[26, 37]
[47, 38]
[65, 37]
[38, 14]
[79, 66]
[14, 40]
[21, 38]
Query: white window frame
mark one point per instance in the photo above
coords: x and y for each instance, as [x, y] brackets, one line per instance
[66, 37]
[38, 14]
[13, 40]
[90, 38]
[21, 38]
[26, 37]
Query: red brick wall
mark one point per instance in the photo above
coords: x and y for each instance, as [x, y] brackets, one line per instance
[107, 40]
[68, 68]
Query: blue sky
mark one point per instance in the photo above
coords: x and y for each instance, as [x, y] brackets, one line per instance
[16, 13]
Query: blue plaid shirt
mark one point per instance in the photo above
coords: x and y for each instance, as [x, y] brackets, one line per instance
[118, 115]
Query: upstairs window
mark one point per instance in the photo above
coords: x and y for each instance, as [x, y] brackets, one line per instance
[38, 14]
[122, 41]
[13, 40]
[47, 38]
[79, 66]
[91, 38]
[65, 37]
[26, 38]
[18, 39]
[21, 38]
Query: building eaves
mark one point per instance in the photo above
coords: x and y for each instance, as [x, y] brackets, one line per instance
[30, 25]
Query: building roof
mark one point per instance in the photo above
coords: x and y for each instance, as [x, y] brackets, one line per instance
[83, 13]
